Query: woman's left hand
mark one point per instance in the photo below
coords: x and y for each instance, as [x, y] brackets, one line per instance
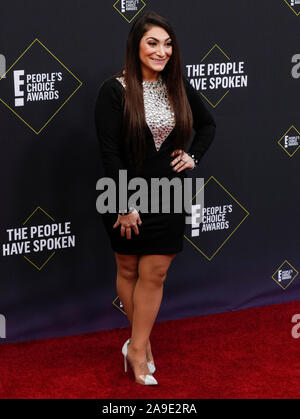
[182, 161]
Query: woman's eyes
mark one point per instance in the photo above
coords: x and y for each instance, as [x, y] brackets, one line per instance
[154, 43]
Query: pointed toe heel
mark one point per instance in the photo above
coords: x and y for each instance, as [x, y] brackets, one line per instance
[147, 379]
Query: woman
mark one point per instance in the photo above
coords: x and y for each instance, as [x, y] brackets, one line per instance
[144, 118]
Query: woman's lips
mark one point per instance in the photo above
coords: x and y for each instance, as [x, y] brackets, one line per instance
[156, 60]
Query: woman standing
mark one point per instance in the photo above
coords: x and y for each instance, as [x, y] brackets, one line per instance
[144, 118]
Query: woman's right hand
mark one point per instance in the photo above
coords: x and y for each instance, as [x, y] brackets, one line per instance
[127, 222]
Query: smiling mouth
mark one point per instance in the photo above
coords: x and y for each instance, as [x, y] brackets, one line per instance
[156, 60]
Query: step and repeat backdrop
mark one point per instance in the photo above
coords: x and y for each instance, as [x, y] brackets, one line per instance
[58, 270]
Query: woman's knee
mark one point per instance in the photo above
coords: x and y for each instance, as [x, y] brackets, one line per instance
[154, 269]
[158, 274]
[127, 266]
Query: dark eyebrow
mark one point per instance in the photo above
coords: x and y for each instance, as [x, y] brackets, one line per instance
[156, 39]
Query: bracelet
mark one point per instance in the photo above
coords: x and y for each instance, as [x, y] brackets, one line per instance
[129, 211]
[196, 161]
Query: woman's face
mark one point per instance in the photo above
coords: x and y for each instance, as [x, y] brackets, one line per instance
[155, 49]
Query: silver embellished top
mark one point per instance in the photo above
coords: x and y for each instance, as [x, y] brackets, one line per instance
[158, 114]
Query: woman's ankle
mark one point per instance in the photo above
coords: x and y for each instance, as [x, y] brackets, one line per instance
[137, 349]
[149, 355]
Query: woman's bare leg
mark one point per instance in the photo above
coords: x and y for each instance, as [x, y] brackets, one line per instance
[147, 296]
[127, 275]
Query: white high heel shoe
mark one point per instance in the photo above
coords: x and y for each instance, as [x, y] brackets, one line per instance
[147, 379]
[151, 366]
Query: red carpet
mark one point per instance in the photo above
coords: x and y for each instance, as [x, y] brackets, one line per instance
[243, 354]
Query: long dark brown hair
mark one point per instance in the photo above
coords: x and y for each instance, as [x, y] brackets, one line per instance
[134, 122]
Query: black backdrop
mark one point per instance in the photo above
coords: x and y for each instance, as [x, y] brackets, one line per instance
[50, 161]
